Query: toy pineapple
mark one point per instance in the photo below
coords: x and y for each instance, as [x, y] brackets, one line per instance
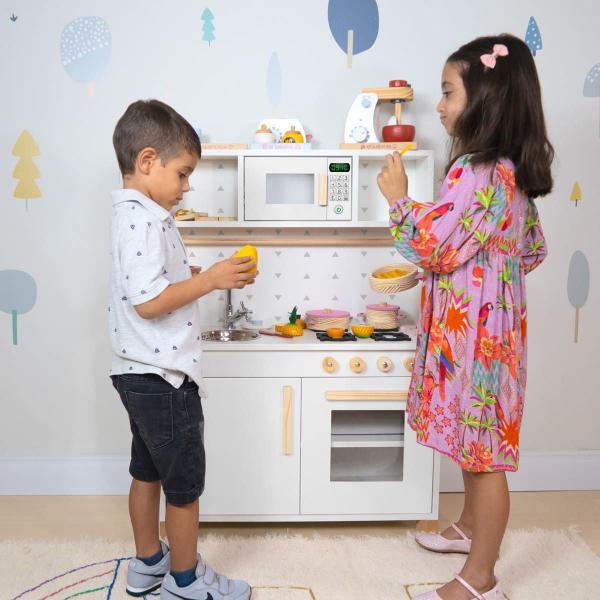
[293, 328]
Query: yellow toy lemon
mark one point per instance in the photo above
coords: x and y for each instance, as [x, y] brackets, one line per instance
[250, 251]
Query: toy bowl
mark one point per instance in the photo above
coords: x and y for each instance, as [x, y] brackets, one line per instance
[362, 331]
[335, 333]
[398, 283]
[398, 133]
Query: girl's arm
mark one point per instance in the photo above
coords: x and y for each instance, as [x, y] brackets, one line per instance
[534, 244]
[441, 236]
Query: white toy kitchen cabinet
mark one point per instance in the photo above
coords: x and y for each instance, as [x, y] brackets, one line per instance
[252, 442]
[298, 432]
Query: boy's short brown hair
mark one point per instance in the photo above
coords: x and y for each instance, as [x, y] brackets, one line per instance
[152, 123]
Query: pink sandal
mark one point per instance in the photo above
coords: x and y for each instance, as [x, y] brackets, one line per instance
[436, 542]
[494, 594]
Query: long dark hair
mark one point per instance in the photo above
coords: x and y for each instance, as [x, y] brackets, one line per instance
[503, 116]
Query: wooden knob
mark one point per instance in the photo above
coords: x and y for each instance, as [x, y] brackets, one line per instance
[357, 364]
[409, 363]
[385, 364]
[330, 364]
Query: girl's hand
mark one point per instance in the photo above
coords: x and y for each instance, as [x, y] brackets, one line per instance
[392, 180]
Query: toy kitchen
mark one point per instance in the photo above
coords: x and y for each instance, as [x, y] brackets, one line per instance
[313, 398]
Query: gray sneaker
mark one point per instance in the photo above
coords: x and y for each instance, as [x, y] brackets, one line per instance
[142, 579]
[208, 586]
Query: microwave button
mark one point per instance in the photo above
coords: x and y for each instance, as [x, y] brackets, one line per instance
[339, 210]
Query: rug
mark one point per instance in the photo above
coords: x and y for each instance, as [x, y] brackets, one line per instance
[534, 565]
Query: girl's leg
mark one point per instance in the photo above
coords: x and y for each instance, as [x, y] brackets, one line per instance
[465, 522]
[490, 509]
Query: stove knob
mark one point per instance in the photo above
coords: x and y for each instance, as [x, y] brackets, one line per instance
[330, 364]
[357, 364]
[385, 364]
[409, 363]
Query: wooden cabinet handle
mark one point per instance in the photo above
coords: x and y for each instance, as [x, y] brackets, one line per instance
[366, 395]
[323, 189]
[287, 419]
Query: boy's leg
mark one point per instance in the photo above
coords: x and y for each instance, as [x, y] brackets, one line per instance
[144, 501]
[182, 531]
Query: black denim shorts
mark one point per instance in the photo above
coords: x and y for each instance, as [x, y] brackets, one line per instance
[167, 425]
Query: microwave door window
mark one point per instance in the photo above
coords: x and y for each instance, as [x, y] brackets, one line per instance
[292, 189]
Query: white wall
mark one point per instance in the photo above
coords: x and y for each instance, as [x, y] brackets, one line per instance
[55, 396]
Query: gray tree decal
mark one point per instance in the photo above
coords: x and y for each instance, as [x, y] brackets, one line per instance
[591, 86]
[578, 285]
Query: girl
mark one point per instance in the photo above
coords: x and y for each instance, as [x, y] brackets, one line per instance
[476, 244]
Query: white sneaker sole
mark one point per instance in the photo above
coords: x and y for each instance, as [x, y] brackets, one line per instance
[137, 592]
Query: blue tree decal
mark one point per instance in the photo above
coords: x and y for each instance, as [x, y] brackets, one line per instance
[354, 25]
[85, 49]
[533, 38]
[18, 293]
[208, 28]
[274, 80]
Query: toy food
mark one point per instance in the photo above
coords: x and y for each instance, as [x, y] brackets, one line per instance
[249, 251]
[264, 135]
[293, 328]
[292, 136]
[391, 274]
[184, 214]
[362, 331]
[335, 333]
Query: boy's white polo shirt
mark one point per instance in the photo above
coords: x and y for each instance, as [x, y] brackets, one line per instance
[147, 256]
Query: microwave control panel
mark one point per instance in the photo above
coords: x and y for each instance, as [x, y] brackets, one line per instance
[339, 188]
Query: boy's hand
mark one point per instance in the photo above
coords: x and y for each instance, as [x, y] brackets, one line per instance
[232, 273]
[392, 180]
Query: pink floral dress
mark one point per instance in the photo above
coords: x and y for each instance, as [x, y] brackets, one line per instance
[476, 244]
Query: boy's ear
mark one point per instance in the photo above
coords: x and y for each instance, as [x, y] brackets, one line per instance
[146, 159]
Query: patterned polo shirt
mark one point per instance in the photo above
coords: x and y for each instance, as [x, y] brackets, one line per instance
[148, 255]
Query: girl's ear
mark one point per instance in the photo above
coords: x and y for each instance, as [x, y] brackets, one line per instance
[146, 158]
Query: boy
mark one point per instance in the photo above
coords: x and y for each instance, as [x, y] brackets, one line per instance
[155, 337]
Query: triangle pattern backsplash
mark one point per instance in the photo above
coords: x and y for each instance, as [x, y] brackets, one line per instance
[319, 277]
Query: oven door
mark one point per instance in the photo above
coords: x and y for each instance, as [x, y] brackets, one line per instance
[285, 188]
[358, 454]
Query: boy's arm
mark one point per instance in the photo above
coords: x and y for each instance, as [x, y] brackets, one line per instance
[226, 274]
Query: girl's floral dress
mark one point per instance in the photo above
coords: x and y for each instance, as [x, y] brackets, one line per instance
[476, 244]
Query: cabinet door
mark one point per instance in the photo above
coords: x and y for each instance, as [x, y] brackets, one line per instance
[358, 455]
[252, 440]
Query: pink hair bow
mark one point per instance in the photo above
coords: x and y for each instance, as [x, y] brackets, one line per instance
[489, 60]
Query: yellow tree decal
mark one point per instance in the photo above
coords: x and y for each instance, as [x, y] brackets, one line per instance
[26, 170]
[576, 193]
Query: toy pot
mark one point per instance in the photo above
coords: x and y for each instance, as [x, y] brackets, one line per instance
[398, 133]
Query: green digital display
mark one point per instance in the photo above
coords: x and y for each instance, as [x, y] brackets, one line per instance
[339, 167]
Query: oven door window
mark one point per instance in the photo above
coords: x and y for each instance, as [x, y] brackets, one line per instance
[290, 188]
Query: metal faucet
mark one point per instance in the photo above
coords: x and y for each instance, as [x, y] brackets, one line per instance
[232, 317]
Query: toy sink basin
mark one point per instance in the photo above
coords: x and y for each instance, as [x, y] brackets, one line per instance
[228, 335]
